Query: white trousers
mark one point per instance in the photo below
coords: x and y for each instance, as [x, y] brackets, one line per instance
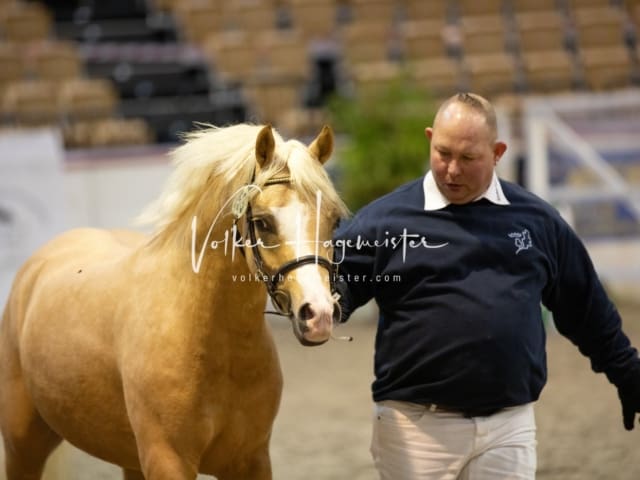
[412, 443]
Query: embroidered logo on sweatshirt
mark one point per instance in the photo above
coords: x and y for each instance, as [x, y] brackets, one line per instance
[522, 240]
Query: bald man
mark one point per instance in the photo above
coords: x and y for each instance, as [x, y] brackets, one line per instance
[459, 262]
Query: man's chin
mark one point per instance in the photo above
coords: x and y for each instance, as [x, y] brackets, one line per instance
[457, 195]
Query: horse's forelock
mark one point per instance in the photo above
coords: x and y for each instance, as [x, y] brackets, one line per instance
[216, 158]
[221, 160]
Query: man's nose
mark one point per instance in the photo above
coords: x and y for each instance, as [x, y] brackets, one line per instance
[454, 167]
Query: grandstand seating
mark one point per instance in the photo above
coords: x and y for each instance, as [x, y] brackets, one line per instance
[549, 71]
[421, 39]
[86, 99]
[588, 3]
[491, 73]
[23, 22]
[198, 18]
[283, 53]
[316, 19]
[368, 41]
[30, 102]
[271, 95]
[55, 61]
[373, 10]
[467, 8]
[606, 68]
[541, 30]
[77, 64]
[262, 60]
[232, 54]
[251, 16]
[107, 131]
[525, 6]
[421, 10]
[598, 27]
[12, 66]
[485, 34]
[442, 76]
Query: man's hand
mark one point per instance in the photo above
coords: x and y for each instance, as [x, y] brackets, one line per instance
[630, 398]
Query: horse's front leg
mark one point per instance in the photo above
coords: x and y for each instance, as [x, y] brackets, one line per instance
[161, 461]
[163, 455]
[170, 429]
[256, 466]
[132, 475]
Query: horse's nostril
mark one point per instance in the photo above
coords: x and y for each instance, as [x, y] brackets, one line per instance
[306, 312]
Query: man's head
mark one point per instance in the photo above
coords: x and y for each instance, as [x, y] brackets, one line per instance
[464, 147]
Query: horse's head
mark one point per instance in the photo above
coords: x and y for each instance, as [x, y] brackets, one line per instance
[290, 213]
[284, 207]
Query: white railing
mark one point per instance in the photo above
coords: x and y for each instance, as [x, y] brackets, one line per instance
[548, 121]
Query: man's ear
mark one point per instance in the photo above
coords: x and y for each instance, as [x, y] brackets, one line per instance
[498, 150]
[428, 132]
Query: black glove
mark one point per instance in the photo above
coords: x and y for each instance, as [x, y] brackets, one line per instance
[629, 395]
[342, 291]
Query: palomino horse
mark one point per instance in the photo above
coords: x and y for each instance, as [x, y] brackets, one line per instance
[153, 353]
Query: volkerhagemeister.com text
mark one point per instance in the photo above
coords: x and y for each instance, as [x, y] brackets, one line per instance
[346, 277]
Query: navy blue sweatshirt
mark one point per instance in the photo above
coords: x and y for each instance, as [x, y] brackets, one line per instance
[459, 292]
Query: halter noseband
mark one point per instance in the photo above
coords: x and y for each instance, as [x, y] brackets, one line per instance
[272, 281]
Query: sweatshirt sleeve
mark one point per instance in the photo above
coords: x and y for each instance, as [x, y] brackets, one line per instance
[583, 312]
[354, 256]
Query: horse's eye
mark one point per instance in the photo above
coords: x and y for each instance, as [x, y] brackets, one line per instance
[263, 225]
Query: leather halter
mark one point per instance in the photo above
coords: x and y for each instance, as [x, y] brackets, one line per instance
[272, 281]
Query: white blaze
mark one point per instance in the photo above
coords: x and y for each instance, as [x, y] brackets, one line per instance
[292, 221]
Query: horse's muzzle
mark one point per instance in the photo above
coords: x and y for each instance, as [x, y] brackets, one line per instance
[313, 324]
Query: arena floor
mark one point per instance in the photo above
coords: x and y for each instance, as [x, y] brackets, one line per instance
[322, 431]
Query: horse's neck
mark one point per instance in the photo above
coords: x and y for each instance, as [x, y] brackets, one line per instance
[206, 228]
[210, 267]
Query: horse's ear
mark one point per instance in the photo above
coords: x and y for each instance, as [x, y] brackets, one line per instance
[322, 146]
[265, 145]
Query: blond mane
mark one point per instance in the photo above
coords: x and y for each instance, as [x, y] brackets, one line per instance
[222, 160]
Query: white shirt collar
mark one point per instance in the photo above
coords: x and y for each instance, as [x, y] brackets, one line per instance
[434, 200]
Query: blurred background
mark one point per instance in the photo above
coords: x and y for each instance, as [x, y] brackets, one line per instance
[95, 95]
